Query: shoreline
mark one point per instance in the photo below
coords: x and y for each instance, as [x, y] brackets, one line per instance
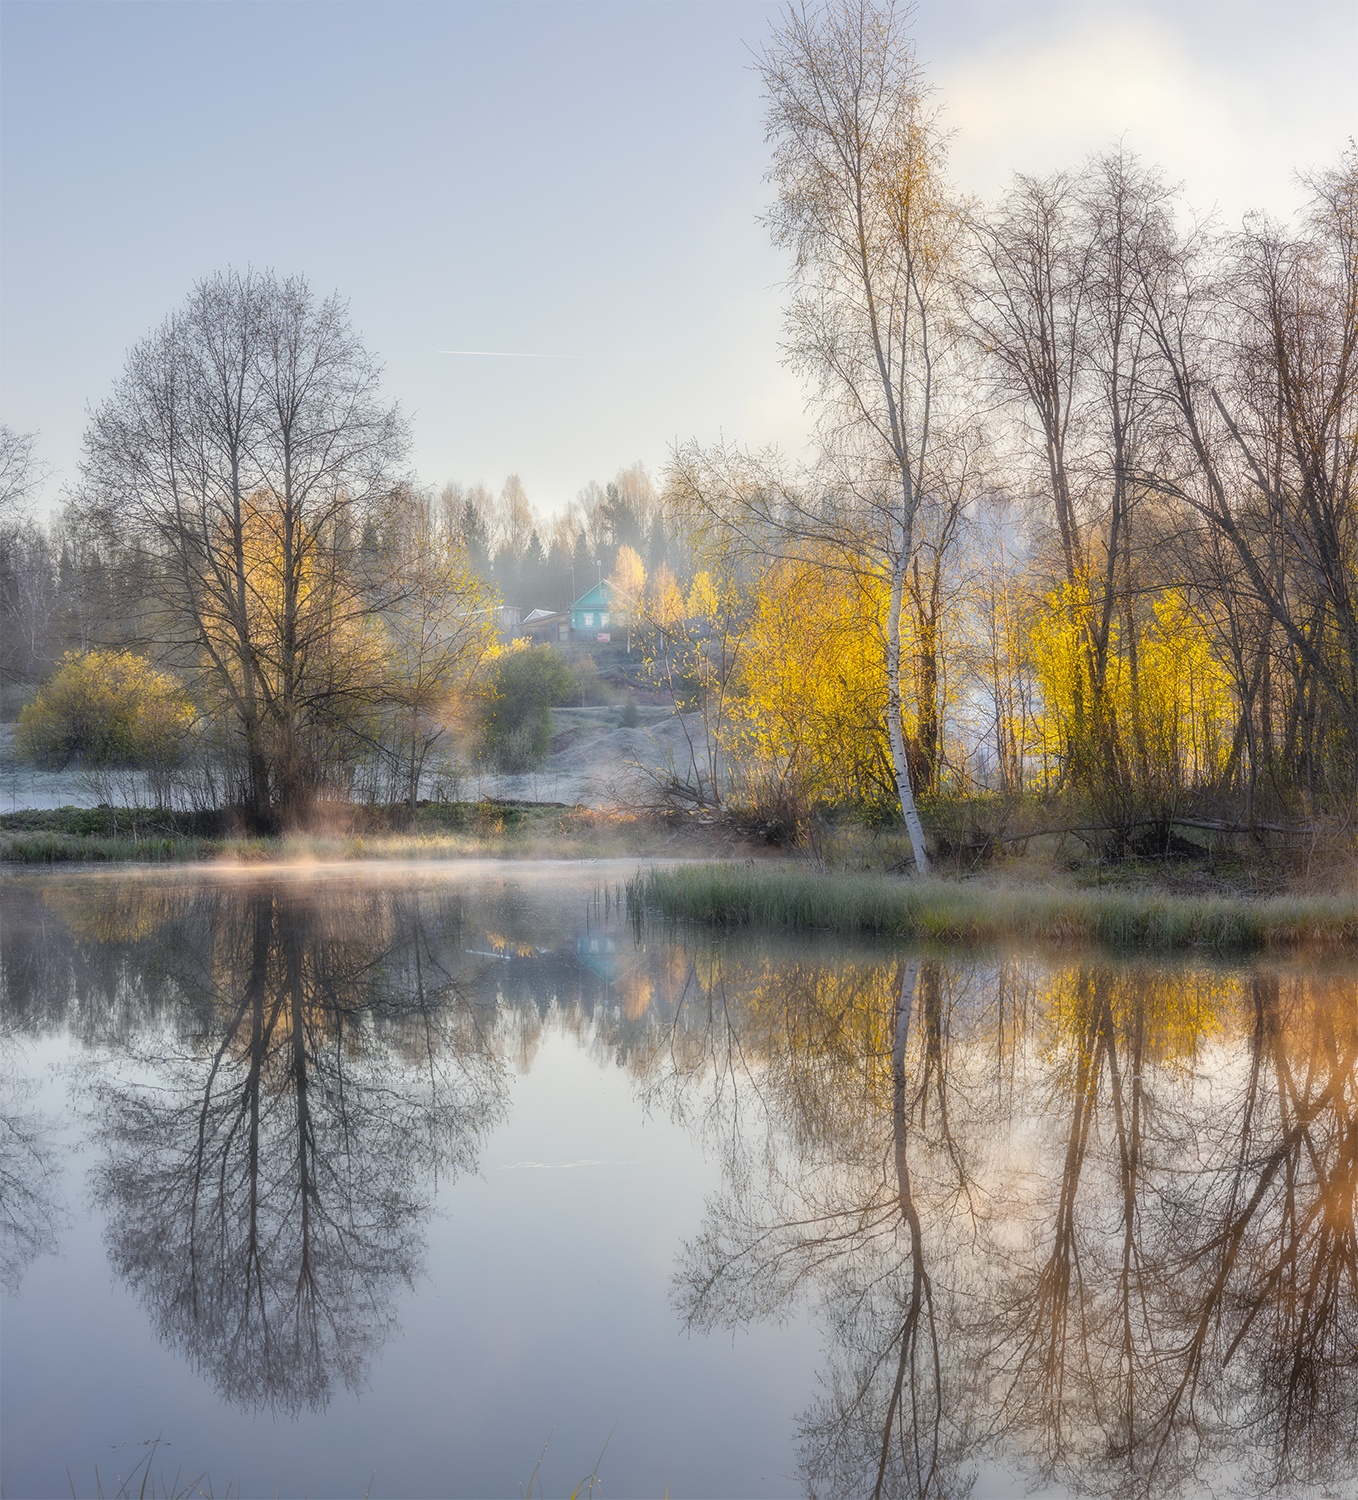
[1002, 909]
[719, 876]
[450, 831]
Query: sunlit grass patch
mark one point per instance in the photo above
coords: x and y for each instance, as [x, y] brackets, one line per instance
[799, 899]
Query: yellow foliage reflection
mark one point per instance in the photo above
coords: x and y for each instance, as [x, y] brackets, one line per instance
[1107, 1212]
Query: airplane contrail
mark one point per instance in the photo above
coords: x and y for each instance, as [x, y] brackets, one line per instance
[507, 354]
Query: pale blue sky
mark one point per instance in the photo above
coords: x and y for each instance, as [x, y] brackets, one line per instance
[558, 179]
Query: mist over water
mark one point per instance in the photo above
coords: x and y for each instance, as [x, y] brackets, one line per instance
[311, 1173]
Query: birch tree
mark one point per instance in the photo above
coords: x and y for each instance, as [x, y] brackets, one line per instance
[857, 166]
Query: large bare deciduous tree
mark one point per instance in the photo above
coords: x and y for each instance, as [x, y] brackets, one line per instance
[1258, 372]
[239, 454]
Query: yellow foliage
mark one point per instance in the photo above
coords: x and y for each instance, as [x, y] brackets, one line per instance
[628, 580]
[1166, 706]
[114, 913]
[812, 705]
[666, 601]
[107, 708]
[636, 991]
[1171, 1013]
[704, 597]
[1182, 695]
[1057, 654]
[304, 622]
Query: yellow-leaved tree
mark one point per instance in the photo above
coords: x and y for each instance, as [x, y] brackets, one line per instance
[809, 721]
[1163, 716]
[110, 713]
[627, 586]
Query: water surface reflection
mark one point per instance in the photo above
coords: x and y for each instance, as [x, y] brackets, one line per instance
[293, 1075]
[31, 1210]
[1092, 1223]
[1098, 1220]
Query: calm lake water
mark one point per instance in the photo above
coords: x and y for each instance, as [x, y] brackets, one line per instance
[311, 1174]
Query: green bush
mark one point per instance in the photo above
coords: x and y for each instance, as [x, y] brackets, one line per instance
[516, 723]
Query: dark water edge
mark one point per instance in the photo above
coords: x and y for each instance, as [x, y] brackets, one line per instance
[398, 1170]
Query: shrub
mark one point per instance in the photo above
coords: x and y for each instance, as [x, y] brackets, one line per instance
[516, 723]
[590, 687]
[106, 709]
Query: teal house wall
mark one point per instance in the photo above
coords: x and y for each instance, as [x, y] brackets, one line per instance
[589, 609]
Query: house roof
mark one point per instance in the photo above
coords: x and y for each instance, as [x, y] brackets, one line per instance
[597, 598]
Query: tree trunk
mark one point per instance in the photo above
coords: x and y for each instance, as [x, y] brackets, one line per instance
[899, 761]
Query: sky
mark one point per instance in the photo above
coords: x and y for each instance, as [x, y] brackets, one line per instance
[579, 183]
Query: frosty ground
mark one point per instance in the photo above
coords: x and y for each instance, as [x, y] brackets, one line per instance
[593, 762]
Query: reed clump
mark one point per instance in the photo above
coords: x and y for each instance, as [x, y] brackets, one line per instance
[785, 898]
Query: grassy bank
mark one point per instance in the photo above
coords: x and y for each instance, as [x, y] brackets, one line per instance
[64, 848]
[795, 898]
[436, 831]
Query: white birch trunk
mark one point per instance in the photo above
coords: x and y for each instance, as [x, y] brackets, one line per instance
[899, 763]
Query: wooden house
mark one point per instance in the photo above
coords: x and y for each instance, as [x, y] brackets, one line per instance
[547, 625]
[595, 614]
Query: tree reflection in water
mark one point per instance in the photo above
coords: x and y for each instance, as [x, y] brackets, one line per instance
[1097, 1222]
[31, 1211]
[269, 1154]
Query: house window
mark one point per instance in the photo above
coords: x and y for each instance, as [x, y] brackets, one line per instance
[589, 622]
[603, 618]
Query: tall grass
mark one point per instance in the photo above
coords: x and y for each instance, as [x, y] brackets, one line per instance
[63, 848]
[798, 899]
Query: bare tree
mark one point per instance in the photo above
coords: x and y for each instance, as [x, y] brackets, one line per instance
[27, 568]
[1055, 304]
[31, 1210]
[240, 451]
[325, 1071]
[21, 473]
[1259, 377]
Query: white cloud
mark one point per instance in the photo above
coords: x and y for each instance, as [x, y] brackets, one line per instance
[1232, 115]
